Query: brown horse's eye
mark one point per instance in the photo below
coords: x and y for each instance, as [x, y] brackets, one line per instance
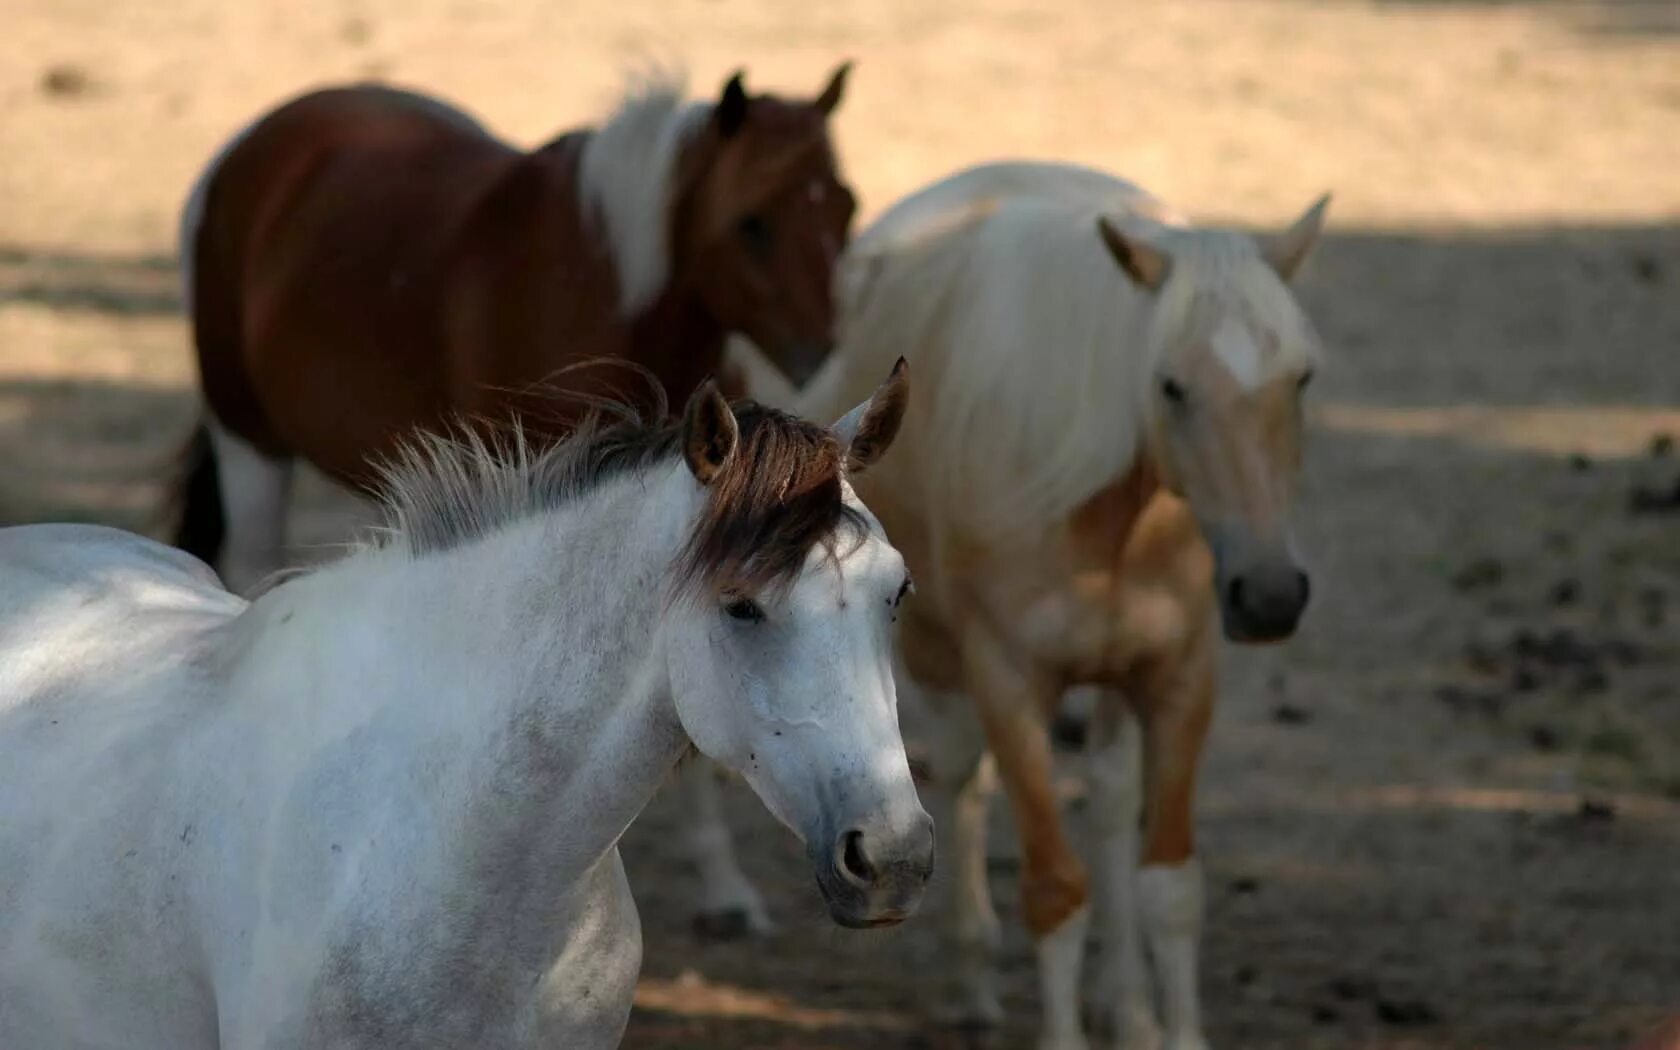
[754, 231]
[744, 609]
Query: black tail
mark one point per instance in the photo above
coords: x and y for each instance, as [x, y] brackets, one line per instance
[202, 526]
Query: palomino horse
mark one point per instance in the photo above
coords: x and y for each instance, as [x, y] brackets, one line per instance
[1109, 459]
[363, 261]
[380, 805]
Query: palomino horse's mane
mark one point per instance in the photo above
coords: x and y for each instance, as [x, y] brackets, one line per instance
[1050, 324]
[780, 496]
[628, 173]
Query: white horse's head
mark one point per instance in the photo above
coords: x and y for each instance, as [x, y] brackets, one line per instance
[1233, 354]
[780, 645]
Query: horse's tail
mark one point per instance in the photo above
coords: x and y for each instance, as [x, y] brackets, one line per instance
[202, 524]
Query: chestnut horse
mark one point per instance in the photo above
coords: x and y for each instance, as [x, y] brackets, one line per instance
[362, 262]
[1100, 488]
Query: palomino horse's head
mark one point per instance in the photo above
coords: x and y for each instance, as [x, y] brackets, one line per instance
[781, 648]
[762, 218]
[1235, 353]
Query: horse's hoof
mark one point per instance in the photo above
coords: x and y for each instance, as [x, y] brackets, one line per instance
[729, 924]
[975, 1014]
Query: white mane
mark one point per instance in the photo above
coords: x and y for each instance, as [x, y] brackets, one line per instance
[1000, 289]
[626, 178]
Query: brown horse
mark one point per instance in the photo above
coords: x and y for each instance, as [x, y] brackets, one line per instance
[364, 261]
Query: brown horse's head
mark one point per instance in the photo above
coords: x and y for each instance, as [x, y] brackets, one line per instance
[762, 216]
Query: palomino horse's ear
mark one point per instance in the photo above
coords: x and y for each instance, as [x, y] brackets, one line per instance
[830, 97]
[867, 431]
[1142, 261]
[731, 110]
[709, 433]
[1289, 249]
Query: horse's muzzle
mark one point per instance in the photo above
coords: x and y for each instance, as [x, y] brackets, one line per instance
[874, 879]
[1264, 603]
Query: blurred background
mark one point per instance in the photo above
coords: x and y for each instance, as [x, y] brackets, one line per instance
[1448, 814]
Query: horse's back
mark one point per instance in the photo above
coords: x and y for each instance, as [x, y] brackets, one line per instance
[103, 636]
[319, 240]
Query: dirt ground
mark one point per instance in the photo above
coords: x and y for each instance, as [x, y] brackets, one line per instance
[1448, 814]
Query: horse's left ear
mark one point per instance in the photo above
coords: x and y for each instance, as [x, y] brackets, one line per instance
[1289, 249]
[731, 111]
[830, 97]
[867, 431]
[709, 433]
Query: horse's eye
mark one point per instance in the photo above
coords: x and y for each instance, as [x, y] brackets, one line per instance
[755, 232]
[907, 587]
[1173, 391]
[1306, 377]
[743, 608]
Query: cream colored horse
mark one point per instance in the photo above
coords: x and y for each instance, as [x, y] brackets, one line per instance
[1098, 472]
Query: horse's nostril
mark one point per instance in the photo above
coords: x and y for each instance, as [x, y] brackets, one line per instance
[854, 863]
[1234, 593]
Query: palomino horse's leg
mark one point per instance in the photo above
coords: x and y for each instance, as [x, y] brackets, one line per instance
[255, 487]
[1176, 712]
[1012, 702]
[730, 905]
[959, 782]
[1115, 764]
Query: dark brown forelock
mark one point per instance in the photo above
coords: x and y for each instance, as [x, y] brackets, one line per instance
[778, 498]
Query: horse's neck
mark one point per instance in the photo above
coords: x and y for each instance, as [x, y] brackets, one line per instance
[513, 677]
[677, 339]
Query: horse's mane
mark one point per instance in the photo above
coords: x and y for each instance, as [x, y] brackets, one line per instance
[1017, 302]
[780, 496]
[627, 176]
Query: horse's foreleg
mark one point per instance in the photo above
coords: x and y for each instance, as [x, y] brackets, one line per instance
[1012, 702]
[255, 489]
[730, 905]
[1115, 762]
[959, 781]
[1175, 718]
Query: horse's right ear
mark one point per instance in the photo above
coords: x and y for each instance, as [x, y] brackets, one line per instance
[867, 431]
[1142, 261]
[731, 110]
[709, 433]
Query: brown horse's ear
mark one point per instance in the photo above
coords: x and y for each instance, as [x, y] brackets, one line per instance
[867, 431]
[1289, 249]
[731, 111]
[830, 97]
[1143, 262]
[709, 433]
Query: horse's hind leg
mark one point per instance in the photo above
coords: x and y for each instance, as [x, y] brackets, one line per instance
[1176, 709]
[730, 905]
[1115, 764]
[255, 488]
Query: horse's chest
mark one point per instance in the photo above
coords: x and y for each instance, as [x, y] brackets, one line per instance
[483, 970]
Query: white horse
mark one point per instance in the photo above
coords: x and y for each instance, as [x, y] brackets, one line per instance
[379, 806]
[1101, 482]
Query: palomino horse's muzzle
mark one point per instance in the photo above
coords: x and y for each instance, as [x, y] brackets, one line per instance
[874, 877]
[1263, 603]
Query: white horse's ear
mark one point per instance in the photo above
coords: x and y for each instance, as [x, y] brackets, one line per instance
[1289, 249]
[709, 433]
[831, 95]
[867, 431]
[1143, 262]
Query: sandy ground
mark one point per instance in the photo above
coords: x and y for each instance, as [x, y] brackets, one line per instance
[1448, 815]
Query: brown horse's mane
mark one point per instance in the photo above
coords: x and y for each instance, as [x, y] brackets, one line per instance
[779, 497]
